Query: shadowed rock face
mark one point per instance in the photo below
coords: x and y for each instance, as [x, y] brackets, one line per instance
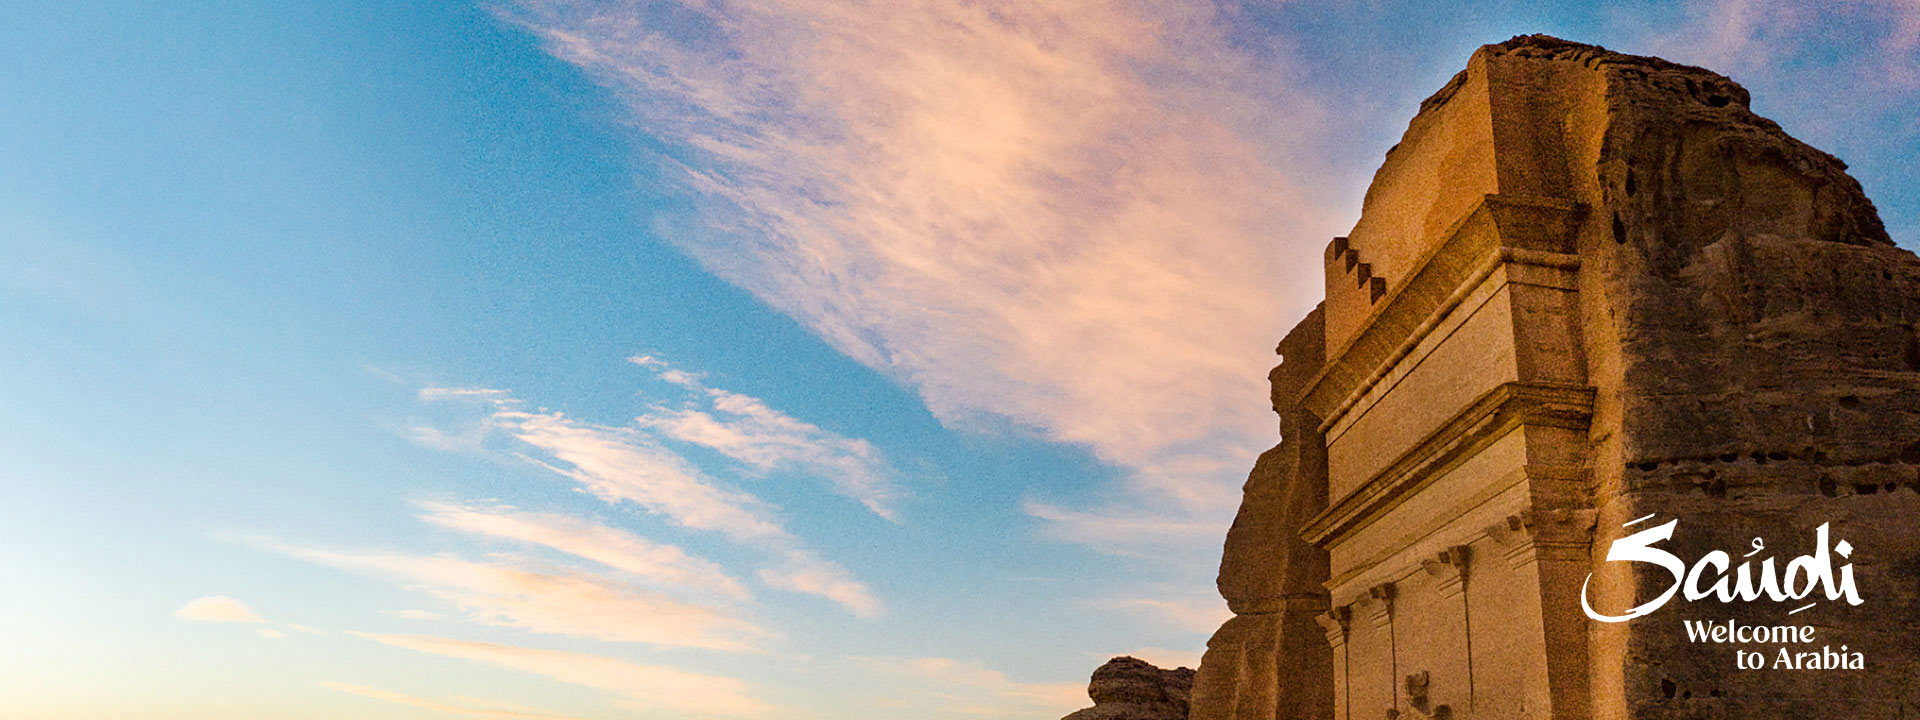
[1271, 654]
[1129, 688]
[1586, 287]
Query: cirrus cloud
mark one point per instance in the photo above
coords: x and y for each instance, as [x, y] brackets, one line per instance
[1075, 219]
[553, 601]
[942, 685]
[655, 563]
[747, 430]
[636, 466]
[656, 687]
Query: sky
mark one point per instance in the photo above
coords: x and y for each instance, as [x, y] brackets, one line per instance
[814, 359]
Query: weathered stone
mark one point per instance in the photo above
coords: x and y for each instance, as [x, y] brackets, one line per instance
[1586, 287]
[1271, 654]
[1128, 688]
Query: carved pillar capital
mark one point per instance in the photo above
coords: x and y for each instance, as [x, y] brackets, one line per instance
[1449, 570]
[1514, 535]
[1380, 604]
[1336, 622]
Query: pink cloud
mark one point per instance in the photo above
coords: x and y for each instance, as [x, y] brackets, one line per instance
[656, 687]
[1803, 57]
[1195, 613]
[1083, 220]
[749, 431]
[803, 572]
[553, 601]
[633, 465]
[655, 563]
[939, 685]
[619, 465]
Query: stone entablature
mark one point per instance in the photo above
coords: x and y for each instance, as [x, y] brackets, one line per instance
[1437, 343]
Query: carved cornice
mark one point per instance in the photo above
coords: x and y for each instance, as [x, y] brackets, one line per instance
[1500, 229]
[1501, 409]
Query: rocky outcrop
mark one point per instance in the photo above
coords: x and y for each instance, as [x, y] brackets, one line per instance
[1271, 655]
[1128, 688]
[1586, 289]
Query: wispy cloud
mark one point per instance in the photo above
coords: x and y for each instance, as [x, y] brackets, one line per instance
[657, 564]
[1131, 529]
[465, 393]
[656, 687]
[223, 609]
[1843, 76]
[622, 465]
[966, 688]
[441, 707]
[1876, 41]
[552, 601]
[1802, 58]
[1195, 614]
[219, 609]
[1080, 219]
[803, 572]
[746, 429]
[1093, 219]
[631, 465]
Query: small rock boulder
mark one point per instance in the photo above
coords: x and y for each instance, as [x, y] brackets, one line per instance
[1128, 688]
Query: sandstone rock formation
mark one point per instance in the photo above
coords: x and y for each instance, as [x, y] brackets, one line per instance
[1271, 577]
[1129, 688]
[1585, 288]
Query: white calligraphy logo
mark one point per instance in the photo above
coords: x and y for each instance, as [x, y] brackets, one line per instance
[1803, 574]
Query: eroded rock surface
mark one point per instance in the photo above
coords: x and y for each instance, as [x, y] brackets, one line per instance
[1586, 287]
[1128, 688]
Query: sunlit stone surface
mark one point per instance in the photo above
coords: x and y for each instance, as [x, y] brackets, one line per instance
[1585, 288]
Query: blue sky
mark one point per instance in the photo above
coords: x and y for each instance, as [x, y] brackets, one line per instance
[657, 360]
